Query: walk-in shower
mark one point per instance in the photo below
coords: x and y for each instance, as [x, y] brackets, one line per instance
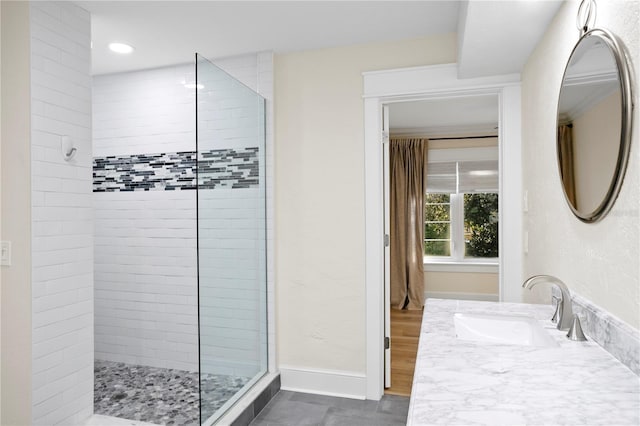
[180, 246]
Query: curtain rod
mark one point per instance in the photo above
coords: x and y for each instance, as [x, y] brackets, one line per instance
[463, 137]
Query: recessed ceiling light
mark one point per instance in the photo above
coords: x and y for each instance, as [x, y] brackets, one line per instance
[122, 48]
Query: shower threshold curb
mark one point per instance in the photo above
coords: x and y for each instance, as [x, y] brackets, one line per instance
[102, 420]
[250, 405]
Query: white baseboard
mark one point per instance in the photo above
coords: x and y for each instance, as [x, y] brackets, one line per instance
[344, 384]
[486, 297]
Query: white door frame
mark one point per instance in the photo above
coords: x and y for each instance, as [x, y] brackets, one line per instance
[435, 82]
[386, 191]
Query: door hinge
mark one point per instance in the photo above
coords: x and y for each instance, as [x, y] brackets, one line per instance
[385, 137]
[386, 240]
[386, 343]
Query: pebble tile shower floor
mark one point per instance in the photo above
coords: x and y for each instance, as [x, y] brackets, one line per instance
[159, 395]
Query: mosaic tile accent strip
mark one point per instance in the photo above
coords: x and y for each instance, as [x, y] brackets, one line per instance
[159, 395]
[228, 168]
[218, 168]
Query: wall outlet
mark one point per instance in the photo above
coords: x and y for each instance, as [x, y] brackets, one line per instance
[5, 257]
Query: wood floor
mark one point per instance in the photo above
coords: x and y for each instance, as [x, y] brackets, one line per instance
[405, 333]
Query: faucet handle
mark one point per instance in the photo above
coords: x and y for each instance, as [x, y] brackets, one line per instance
[556, 314]
[575, 332]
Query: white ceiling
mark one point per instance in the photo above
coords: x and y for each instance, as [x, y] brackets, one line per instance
[494, 37]
[497, 37]
[170, 32]
[477, 115]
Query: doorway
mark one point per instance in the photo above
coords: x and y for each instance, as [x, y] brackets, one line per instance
[421, 83]
[459, 214]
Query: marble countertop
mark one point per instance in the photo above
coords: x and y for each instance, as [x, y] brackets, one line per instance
[460, 382]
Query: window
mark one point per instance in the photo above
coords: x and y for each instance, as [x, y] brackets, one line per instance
[481, 225]
[461, 210]
[437, 225]
[461, 227]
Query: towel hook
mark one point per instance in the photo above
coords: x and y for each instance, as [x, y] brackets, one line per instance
[68, 150]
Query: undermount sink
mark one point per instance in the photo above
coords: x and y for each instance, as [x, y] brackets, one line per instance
[502, 329]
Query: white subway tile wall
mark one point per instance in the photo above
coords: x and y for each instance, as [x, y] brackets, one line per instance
[62, 214]
[231, 233]
[145, 278]
[145, 251]
[232, 287]
[144, 112]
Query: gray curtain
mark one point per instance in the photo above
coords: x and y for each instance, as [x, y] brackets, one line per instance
[565, 151]
[408, 171]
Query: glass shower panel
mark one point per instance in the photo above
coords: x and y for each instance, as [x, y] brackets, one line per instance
[231, 238]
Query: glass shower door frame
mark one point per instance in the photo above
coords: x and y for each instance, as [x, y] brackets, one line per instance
[220, 97]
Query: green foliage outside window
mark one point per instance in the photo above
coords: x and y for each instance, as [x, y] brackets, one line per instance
[481, 225]
[437, 227]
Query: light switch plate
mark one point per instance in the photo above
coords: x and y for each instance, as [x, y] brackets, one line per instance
[525, 201]
[5, 257]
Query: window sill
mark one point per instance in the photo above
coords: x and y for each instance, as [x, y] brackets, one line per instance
[458, 266]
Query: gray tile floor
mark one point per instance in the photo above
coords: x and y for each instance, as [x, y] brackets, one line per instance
[302, 409]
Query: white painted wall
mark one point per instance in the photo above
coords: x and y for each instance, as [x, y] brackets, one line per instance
[321, 208]
[16, 214]
[62, 215]
[146, 276]
[468, 283]
[597, 261]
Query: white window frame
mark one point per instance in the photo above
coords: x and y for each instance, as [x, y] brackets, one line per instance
[451, 233]
[457, 262]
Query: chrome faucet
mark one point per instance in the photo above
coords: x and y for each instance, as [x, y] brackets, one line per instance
[564, 311]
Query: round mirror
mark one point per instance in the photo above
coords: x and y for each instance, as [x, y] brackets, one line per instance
[594, 124]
